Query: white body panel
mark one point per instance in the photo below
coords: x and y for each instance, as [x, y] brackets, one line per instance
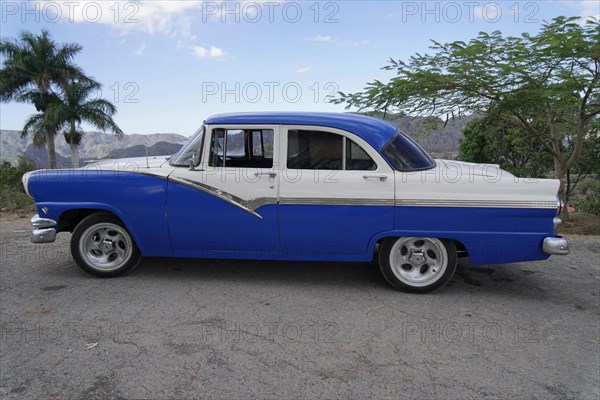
[460, 184]
[305, 186]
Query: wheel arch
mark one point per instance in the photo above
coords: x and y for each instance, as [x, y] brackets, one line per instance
[71, 217]
[376, 241]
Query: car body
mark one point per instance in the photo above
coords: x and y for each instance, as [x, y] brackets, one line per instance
[299, 186]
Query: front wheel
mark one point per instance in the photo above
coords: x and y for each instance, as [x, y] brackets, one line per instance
[417, 265]
[101, 246]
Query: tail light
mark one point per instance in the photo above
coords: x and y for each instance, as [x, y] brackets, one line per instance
[559, 205]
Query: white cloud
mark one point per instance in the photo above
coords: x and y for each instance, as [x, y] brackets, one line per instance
[169, 18]
[212, 52]
[321, 39]
[304, 70]
[140, 51]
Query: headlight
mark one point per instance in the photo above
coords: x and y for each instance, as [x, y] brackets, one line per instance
[25, 180]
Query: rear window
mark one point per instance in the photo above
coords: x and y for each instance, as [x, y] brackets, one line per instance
[406, 155]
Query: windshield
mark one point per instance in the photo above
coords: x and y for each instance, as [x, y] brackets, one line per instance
[191, 150]
[406, 155]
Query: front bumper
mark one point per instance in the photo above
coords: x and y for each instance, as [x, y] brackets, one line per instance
[44, 230]
[556, 246]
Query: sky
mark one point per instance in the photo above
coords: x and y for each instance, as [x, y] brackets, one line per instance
[168, 65]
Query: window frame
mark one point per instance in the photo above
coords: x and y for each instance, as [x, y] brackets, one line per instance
[205, 162]
[380, 163]
[207, 144]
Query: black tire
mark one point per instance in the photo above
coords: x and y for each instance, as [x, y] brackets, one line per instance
[418, 259]
[102, 246]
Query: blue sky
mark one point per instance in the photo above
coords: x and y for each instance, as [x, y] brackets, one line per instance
[167, 65]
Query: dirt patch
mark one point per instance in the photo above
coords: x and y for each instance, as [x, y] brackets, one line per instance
[580, 223]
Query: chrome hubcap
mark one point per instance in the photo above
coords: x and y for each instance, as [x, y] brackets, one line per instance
[105, 246]
[418, 261]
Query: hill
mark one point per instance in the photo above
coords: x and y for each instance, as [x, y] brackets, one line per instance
[441, 142]
[95, 145]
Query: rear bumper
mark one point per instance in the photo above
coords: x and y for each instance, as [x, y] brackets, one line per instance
[556, 246]
[44, 230]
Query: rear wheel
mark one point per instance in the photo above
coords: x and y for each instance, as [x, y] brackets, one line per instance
[416, 264]
[102, 246]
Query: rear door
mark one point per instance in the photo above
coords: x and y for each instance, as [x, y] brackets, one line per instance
[336, 193]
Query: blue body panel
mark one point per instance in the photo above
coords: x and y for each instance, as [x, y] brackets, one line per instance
[374, 131]
[137, 199]
[328, 232]
[490, 235]
[201, 224]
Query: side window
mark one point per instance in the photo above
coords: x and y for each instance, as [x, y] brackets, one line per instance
[243, 148]
[314, 150]
[325, 150]
[357, 159]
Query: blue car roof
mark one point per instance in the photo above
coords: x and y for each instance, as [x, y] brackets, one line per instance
[374, 131]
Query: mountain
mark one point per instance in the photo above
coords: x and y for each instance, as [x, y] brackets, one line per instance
[441, 142]
[94, 145]
[157, 149]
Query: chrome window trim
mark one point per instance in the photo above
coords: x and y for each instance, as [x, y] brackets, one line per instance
[383, 166]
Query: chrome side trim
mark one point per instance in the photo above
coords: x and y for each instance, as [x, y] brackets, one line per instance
[257, 203]
[247, 205]
[556, 246]
[336, 201]
[476, 203]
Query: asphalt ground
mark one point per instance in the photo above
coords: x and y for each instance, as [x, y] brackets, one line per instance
[224, 329]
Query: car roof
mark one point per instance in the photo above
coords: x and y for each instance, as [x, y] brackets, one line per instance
[374, 131]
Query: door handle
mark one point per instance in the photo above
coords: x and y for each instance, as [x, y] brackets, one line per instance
[380, 177]
[271, 174]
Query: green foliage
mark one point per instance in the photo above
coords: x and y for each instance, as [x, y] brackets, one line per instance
[589, 200]
[590, 203]
[75, 105]
[34, 68]
[12, 195]
[491, 140]
[548, 82]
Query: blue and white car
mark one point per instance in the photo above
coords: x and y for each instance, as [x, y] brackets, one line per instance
[298, 186]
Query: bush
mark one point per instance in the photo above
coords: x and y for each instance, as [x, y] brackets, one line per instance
[12, 195]
[590, 203]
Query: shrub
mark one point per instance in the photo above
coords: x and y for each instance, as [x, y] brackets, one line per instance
[12, 195]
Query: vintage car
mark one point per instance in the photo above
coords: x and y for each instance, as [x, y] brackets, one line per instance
[298, 186]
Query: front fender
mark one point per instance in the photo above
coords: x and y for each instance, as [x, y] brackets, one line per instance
[138, 200]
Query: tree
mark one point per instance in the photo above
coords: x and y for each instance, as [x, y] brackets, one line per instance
[74, 106]
[547, 83]
[491, 140]
[34, 68]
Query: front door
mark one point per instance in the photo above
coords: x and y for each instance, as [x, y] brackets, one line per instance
[227, 205]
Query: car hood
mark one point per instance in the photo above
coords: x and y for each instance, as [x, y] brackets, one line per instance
[133, 163]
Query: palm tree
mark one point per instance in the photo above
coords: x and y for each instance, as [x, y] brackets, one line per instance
[35, 66]
[74, 106]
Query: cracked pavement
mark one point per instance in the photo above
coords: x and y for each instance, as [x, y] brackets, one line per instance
[177, 328]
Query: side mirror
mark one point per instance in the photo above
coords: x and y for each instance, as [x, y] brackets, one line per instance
[193, 162]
